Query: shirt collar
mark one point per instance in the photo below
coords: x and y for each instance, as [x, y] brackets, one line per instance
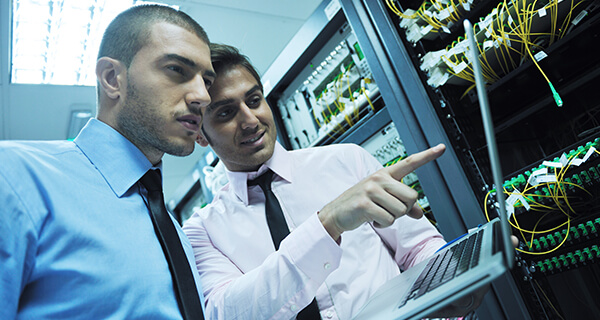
[118, 160]
[279, 163]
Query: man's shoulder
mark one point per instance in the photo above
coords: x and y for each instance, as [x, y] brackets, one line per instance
[35, 147]
[221, 196]
[223, 201]
[27, 154]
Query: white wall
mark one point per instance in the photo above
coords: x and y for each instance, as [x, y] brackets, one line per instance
[261, 36]
[261, 29]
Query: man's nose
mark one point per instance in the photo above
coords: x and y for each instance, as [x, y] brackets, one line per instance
[249, 120]
[197, 96]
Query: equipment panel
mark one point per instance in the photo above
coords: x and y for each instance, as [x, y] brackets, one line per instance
[330, 94]
[541, 68]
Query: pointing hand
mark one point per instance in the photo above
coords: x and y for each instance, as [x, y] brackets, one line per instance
[380, 198]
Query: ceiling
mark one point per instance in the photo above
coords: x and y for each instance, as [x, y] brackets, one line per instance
[292, 9]
[260, 28]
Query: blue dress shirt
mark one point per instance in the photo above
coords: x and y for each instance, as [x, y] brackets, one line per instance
[76, 239]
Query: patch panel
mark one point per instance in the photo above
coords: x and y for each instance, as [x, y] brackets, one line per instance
[500, 35]
[522, 179]
[568, 261]
[386, 145]
[581, 232]
[432, 19]
[330, 94]
[552, 182]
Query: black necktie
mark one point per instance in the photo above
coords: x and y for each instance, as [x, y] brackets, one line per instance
[183, 279]
[279, 230]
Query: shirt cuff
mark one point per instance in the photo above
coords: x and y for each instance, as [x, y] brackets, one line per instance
[313, 250]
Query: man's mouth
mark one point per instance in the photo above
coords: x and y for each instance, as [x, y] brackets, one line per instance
[190, 122]
[254, 139]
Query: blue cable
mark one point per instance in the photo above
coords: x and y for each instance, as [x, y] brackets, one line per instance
[454, 240]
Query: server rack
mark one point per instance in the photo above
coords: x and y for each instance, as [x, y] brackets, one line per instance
[557, 272]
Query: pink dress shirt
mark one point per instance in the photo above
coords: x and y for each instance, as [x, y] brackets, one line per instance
[245, 278]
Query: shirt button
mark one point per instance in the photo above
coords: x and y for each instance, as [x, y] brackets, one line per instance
[327, 266]
[294, 307]
[329, 314]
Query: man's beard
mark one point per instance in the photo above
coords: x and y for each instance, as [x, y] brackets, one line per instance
[140, 123]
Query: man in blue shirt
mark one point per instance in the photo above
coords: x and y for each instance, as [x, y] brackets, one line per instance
[76, 237]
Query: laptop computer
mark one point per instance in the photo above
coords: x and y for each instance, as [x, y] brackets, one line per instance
[462, 266]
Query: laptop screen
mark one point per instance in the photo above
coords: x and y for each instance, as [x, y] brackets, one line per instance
[490, 138]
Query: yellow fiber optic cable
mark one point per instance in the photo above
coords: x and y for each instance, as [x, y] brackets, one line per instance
[535, 227]
[555, 196]
[355, 113]
[368, 99]
[392, 5]
[553, 249]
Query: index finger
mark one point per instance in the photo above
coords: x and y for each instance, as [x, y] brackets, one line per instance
[414, 161]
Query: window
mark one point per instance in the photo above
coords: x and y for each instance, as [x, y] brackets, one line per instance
[57, 41]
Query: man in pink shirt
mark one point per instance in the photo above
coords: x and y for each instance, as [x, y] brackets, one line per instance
[353, 225]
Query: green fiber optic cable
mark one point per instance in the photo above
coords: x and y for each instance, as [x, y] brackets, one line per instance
[556, 96]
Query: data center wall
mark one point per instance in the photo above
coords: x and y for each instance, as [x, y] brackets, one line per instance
[542, 68]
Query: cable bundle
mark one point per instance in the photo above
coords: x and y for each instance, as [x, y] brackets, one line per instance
[512, 33]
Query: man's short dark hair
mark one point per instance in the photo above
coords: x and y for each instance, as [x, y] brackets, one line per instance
[224, 57]
[131, 29]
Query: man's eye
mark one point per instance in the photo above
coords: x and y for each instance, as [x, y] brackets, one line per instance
[254, 102]
[224, 113]
[177, 69]
[208, 83]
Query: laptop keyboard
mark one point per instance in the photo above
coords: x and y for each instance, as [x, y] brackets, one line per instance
[446, 266]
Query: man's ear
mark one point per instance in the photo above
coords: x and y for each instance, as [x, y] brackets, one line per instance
[201, 140]
[110, 74]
